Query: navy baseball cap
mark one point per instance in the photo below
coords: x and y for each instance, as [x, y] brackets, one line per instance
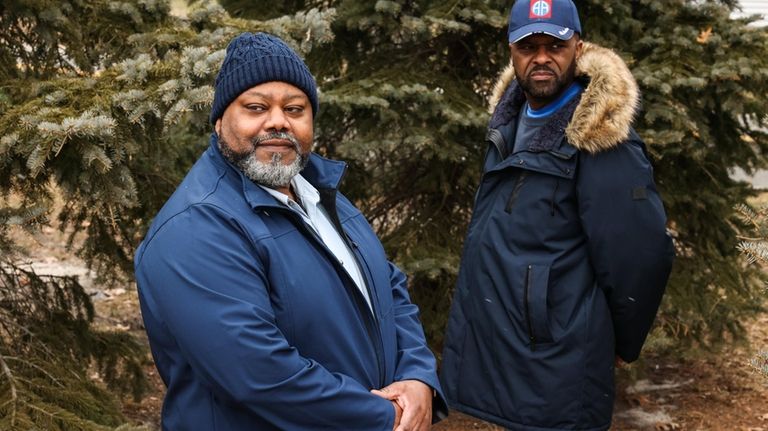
[558, 18]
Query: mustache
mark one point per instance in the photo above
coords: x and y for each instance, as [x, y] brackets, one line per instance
[285, 136]
[541, 69]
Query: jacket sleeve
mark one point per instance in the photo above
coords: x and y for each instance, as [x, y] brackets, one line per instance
[415, 360]
[630, 250]
[201, 278]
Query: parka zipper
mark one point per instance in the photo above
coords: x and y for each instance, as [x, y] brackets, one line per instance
[527, 296]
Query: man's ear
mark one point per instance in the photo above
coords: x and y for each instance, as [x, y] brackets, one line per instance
[514, 69]
[579, 48]
[217, 127]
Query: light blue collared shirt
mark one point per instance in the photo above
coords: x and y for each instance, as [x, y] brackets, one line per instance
[315, 216]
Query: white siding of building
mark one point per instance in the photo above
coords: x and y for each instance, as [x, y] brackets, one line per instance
[751, 7]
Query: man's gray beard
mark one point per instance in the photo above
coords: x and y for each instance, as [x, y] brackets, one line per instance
[273, 174]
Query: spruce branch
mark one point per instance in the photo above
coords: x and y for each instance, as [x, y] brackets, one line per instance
[45, 372]
[48, 349]
[11, 382]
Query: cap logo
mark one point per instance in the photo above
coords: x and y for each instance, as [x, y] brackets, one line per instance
[540, 9]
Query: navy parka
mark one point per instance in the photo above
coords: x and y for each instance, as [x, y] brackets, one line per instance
[563, 268]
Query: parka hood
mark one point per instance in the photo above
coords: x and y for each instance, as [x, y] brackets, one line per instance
[603, 117]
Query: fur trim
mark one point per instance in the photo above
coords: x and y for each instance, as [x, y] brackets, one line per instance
[604, 115]
[507, 75]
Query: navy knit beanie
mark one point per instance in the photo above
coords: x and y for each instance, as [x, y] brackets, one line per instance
[253, 59]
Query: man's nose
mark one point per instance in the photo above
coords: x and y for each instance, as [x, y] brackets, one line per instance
[541, 56]
[276, 120]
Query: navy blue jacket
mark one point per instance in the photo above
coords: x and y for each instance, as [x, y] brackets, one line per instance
[564, 264]
[254, 325]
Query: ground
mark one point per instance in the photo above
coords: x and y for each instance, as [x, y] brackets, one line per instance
[709, 392]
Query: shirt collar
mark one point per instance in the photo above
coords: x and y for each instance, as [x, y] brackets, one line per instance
[305, 192]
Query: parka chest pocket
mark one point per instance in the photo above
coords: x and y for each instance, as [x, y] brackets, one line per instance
[539, 177]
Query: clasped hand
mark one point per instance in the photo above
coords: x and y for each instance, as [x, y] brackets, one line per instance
[412, 400]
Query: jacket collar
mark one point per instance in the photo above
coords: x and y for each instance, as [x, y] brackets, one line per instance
[602, 117]
[324, 174]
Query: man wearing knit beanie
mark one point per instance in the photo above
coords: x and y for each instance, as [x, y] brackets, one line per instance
[268, 300]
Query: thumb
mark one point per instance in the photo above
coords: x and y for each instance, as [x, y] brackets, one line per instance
[386, 395]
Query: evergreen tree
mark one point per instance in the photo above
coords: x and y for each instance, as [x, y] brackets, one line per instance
[704, 78]
[106, 104]
[117, 133]
[48, 351]
[404, 85]
[403, 101]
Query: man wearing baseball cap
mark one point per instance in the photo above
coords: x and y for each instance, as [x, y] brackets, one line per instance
[567, 255]
[268, 300]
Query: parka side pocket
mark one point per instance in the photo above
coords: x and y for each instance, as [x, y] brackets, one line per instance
[535, 301]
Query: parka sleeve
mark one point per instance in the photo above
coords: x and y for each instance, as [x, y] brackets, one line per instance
[415, 360]
[209, 294]
[631, 252]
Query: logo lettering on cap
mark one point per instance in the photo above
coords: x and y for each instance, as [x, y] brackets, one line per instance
[541, 9]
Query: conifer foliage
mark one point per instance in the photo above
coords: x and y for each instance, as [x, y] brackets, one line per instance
[106, 104]
[704, 80]
[404, 85]
[403, 101]
[48, 352]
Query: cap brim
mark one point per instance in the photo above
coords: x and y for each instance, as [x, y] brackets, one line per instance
[562, 33]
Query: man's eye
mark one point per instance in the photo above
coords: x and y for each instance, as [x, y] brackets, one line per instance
[256, 108]
[294, 109]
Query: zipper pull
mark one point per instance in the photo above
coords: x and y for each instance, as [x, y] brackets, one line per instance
[351, 241]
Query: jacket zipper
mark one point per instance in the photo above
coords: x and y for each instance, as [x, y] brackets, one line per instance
[377, 324]
[328, 200]
[366, 314]
[527, 296]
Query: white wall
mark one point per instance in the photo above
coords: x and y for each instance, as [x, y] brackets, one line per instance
[751, 7]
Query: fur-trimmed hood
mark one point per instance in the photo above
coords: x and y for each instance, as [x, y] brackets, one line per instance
[603, 116]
